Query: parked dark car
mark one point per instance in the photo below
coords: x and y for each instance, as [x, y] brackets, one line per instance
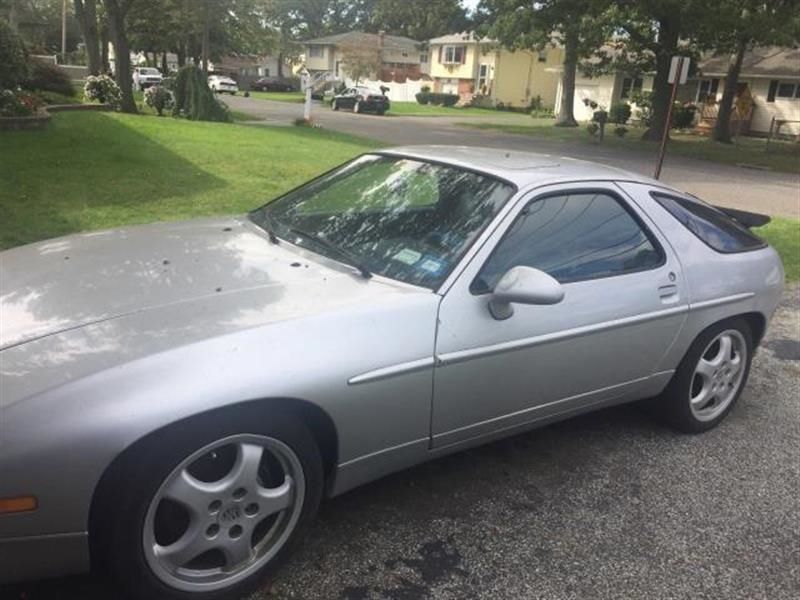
[273, 84]
[361, 99]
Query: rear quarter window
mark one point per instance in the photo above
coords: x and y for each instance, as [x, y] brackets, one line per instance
[716, 229]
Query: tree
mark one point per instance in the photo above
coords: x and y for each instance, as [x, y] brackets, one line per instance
[117, 10]
[86, 13]
[741, 26]
[580, 27]
[361, 60]
[655, 31]
[13, 58]
[418, 19]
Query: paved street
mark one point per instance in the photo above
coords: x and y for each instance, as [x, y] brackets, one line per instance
[609, 505]
[737, 187]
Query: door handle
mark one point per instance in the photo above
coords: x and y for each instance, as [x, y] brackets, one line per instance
[668, 293]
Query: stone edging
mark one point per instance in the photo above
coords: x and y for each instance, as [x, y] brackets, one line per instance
[42, 117]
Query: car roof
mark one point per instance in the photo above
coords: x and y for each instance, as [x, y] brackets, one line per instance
[520, 168]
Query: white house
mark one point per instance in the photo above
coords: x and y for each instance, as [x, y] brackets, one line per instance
[770, 75]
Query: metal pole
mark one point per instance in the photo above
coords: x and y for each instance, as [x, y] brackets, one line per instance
[665, 136]
[64, 32]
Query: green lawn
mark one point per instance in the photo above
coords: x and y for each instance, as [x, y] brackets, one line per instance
[280, 96]
[96, 170]
[427, 110]
[782, 156]
[784, 236]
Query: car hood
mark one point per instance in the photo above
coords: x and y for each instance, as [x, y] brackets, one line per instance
[66, 283]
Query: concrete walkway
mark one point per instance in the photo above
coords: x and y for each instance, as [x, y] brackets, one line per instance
[773, 193]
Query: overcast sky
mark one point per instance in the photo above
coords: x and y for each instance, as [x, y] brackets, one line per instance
[470, 4]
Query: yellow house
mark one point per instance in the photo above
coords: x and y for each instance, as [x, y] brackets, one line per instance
[465, 65]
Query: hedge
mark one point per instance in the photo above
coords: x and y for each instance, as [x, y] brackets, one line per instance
[437, 98]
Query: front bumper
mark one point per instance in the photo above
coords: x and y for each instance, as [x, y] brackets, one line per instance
[38, 557]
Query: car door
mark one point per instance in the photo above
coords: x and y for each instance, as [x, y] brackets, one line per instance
[624, 304]
[348, 99]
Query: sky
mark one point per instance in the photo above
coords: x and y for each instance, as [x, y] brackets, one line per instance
[470, 4]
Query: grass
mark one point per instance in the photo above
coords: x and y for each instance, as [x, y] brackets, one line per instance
[782, 156]
[297, 97]
[427, 110]
[97, 170]
[784, 236]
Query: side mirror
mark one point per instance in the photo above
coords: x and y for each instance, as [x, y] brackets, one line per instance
[523, 285]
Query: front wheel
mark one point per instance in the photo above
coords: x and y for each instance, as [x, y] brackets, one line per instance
[710, 378]
[208, 514]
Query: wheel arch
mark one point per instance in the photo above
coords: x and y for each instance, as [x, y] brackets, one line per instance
[318, 421]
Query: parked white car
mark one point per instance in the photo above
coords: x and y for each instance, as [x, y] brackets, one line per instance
[144, 77]
[221, 83]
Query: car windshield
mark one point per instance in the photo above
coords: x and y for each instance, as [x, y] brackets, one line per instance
[149, 71]
[398, 217]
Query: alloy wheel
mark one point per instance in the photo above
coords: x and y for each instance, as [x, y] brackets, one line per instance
[718, 375]
[223, 512]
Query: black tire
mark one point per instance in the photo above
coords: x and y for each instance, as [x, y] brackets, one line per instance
[117, 535]
[674, 405]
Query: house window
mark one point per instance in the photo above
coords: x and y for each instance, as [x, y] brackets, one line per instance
[316, 51]
[423, 58]
[453, 55]
[631, 86]
[542, 56]
[782, 89]
[707, 89]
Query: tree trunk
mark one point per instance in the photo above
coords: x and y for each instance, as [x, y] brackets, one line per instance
[205, 36]
[668, 33]
[181, 55]
[722, 128]
[164, 64]
[86, 14]
[566, 116]
[105, 64]
[280, 64]
[116, 25]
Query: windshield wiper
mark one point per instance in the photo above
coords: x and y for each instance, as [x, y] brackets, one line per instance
[266, 223]
[341, 252]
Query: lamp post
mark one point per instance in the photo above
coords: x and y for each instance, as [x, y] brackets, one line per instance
[64, 32]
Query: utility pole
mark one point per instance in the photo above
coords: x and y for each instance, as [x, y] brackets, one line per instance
[205, 37]
[64, 32]
[679, 70]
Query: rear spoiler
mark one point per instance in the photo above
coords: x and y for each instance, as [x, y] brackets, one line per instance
[745, 218]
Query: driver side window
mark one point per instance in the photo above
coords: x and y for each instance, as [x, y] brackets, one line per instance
[573, 237]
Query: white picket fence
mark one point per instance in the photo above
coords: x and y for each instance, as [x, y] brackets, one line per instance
[398, 92]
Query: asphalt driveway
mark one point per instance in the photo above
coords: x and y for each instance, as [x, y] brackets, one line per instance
[768, 192]
[609, 505]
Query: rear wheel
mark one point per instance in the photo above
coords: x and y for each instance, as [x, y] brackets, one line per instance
[207, 512]
[710, 378]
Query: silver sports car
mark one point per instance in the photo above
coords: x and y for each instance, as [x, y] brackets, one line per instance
[178, 398]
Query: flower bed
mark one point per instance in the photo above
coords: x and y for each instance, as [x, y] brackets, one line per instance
[39, 120]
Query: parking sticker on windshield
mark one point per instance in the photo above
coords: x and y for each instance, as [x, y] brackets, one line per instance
[407, 256]
[431, 266]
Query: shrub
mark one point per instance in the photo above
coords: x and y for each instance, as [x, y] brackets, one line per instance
[620, 131]
[13, 58]
[103, 89]
[644, 107]
[543, 113]
[425, 89]
[159, 98]
[195, 100]
[619, 113]
[47, 77]
[600, 116]
[437, 98]
[18, 104]
[593, 129]
[683, 115]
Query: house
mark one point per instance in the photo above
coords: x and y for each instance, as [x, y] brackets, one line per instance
[247, 68]
[770, 77]
[464, 64]
[604, 91]
[395, 58]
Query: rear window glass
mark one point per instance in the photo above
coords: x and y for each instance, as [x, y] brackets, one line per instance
[712, 226]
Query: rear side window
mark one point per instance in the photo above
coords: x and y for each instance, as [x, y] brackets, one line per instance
[715, 228]
[573, 237]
